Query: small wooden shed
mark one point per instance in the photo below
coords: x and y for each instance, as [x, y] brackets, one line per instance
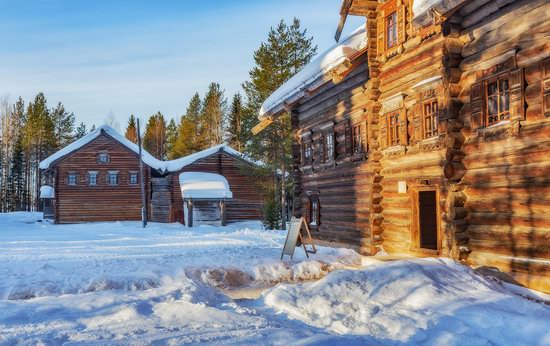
[204, 198]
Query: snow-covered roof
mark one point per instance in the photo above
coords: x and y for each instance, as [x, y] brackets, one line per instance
[424, 9]
[47, 191]
[177, 164]
[148, 159]
[197, 185]
[316, 73]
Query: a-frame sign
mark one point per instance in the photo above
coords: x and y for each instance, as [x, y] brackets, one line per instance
[298, 230]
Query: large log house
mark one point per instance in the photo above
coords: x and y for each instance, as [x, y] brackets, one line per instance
[434, 139]
[96, 178]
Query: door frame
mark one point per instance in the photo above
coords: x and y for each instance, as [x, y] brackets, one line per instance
[415, 220]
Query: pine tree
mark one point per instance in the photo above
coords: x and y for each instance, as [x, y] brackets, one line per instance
[188, 139]
[92, 129]
[235, 135]
[63, 125]
[18, 192]
[80, 131]
[286, 52]
[131, 129]
[154, 139]
[171, 136]
[213, 116]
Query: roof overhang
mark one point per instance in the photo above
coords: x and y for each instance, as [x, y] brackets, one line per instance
[353, 8]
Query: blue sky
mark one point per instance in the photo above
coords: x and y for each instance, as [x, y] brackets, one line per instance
[140, 56]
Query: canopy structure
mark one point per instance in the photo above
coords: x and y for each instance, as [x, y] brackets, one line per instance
[197, 185]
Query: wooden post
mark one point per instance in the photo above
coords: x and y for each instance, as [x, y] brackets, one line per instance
[189, 213]
[142, 182]
[222, 213]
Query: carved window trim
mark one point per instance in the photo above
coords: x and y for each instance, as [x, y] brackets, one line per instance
[328, 145]
[314, 214]
[113, 178]
[103, 158]
[357, 145]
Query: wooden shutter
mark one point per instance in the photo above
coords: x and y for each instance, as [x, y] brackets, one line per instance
[516, 94]
[349, 148]
[418, 113]
[401, 24]
[403, 131]
[383, 135]
[381, 44]
[546, 87]
[476, 102]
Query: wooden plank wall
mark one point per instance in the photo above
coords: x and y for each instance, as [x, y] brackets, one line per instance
[84, 203]
[248, 200]
[343, 186]
[508, 169]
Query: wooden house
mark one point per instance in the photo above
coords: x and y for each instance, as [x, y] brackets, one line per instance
[457, 110]
[96, 178]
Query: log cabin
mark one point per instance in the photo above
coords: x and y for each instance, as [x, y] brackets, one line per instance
[457, 110]
[96, 178]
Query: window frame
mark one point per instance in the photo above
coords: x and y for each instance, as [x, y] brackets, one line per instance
[434, 116]
[130, 174]
[357, 138]
[329, 154]
[108, 158]
[96, 175]
[387, 26]
[391, 127]
[115, 173]
[307, 151]
[495, 79]
[314, 211]
[72, 174]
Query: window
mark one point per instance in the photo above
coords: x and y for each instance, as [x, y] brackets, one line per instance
[113, 177]
[393, 129]
[498, 100]
[103, 158]
[329, 146]
[72, 178]
[307, 152]
[314, 211]
[391, 30]
[133, 178]
[429, 122]
[92, 178]
[356, 139]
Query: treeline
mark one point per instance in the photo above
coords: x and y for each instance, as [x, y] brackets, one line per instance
[29, 133]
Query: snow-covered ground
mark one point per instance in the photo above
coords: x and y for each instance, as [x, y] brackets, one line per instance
[116, 283]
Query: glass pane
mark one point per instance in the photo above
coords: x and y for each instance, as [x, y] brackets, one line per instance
[492, 105]
[504, 102]
[492, 88]
[503, 85]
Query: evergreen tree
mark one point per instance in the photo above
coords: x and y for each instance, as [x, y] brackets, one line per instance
[235, 135]
[18, 192]
[80, 131]
[188, 139]
[92, 129]
[131, 130]
[154, 139]
[213, 116]
[287, 50]
[171, 136]
[63, 126]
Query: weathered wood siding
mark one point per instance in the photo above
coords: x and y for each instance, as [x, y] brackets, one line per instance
[84, 203]
[507, 178]
[248, 199]
[343, 185]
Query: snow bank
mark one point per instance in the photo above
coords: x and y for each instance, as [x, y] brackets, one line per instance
[420, 301]
[199, 185]
[46, 191]
[315, 73]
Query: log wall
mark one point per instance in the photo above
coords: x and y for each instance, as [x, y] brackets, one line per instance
[507, 184]
[342, 185]
[248, 200]
[84, 203]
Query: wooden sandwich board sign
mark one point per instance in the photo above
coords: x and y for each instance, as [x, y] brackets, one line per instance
[298, 230]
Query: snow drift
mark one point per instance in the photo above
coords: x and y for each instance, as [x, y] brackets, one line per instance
[420, 301]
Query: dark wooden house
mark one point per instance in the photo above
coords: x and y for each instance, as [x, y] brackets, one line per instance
[96, 178]
[457, 112]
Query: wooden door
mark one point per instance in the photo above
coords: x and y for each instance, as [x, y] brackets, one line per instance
[427, 217]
